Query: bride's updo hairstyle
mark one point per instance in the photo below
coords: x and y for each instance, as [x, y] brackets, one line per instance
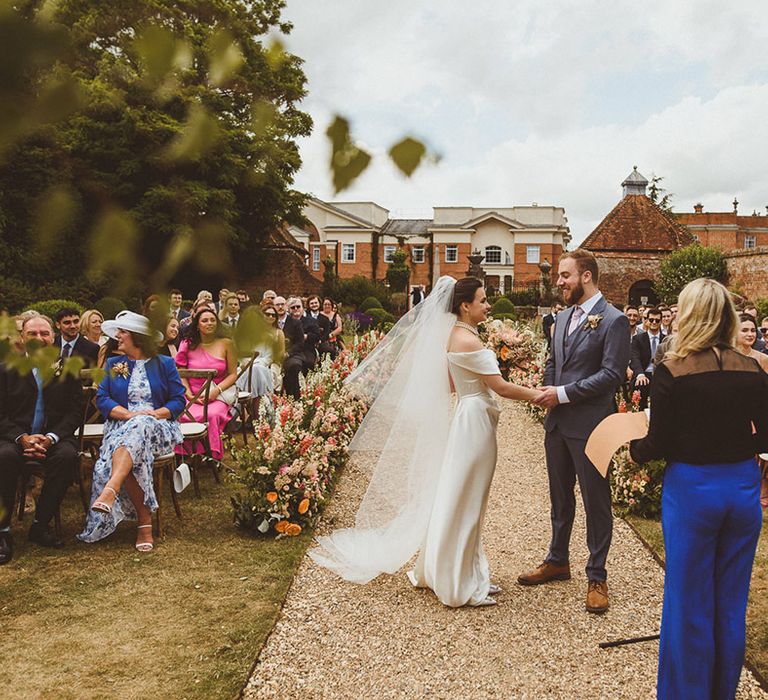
[464, 291]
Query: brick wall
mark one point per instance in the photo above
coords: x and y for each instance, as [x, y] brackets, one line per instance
[530, 272]
[285, 271]
[619, 272]
[748, 271]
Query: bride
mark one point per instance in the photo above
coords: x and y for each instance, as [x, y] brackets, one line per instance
[430, 482]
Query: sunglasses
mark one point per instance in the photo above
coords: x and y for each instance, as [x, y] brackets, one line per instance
[654, 320]
[271, 315]
[297, 306]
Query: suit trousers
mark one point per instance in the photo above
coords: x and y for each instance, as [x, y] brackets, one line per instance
[293, 365]
[59, 468]
[711, 518]
[566, 462]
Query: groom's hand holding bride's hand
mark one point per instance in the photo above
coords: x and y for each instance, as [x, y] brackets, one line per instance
[548, 397]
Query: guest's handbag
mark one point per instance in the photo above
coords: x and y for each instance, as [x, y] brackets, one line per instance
[229, 395]
[181, 477]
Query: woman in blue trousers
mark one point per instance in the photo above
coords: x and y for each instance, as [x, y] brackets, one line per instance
[706, 398]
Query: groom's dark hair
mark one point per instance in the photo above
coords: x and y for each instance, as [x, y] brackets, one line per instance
[584, 261]
[464, 290]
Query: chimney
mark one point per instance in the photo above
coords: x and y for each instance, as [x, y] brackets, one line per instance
[698, 208]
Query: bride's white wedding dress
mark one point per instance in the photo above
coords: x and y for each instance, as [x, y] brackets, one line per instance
[451, 560]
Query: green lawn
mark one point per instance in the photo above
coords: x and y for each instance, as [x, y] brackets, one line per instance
[102, 620]
[757, 610]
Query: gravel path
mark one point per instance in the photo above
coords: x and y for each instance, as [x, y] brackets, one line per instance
[387, 640]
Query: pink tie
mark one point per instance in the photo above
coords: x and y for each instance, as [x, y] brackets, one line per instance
[578, 312]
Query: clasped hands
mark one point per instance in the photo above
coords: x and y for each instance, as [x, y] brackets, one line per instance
[547, 397]
[35, 446]
[155, 413]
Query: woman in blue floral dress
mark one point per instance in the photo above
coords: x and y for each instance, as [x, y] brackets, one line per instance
[140, 398]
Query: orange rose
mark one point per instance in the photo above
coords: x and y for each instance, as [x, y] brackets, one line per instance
[504, 354]
[282, 526]
[292, 530]
[304, 506]
[271, 497]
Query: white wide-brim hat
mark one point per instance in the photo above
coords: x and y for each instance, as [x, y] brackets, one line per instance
[130, 321]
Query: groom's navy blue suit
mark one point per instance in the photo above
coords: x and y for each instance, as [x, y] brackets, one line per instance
[590, 364]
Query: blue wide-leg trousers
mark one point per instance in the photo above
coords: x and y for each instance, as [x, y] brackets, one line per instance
[711, 518]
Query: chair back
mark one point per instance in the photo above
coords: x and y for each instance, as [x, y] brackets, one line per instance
[202, 393]
[91, 414]
[247, 366]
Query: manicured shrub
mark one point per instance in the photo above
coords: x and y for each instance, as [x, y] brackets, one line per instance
[110, 307]
[51, 307]
[370, 303]
[380, 317]
[502, 306]
[524, 297]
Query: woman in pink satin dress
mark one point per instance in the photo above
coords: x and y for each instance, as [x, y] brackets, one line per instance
[206, 347]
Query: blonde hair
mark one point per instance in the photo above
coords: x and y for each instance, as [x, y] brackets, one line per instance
[85, 319]
[706, 317]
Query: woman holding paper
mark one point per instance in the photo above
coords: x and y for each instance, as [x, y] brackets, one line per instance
[705, 398]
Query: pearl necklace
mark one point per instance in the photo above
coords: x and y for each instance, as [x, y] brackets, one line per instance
[471, 329]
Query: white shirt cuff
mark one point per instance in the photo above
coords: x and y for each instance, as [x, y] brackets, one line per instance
[53, 436]
[562, 397]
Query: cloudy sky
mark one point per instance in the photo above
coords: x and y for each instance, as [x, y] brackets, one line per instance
[550, 102]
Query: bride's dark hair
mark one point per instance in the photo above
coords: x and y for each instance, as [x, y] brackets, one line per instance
[464, 290]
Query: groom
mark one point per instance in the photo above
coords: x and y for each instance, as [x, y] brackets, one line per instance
[587, 365]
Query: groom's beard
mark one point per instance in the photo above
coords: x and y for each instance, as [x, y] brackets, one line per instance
[571, 296]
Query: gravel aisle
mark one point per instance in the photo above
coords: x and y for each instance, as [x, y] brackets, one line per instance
[387, 640]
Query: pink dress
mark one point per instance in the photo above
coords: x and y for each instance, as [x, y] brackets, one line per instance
[218, 411]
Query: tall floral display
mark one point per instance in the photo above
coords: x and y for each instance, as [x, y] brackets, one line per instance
[281, 483]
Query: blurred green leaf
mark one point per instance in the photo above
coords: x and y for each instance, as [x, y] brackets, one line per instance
[211, 240]
[178, 252]
[275, 54]
[226, 58]
[200, 134]
[157, 48]
[348, 161]
[114, 242]
[263, 116]
[55, 211]
[407, 155]
[72, 366]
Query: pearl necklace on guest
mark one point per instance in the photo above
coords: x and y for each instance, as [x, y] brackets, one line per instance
[467, 326]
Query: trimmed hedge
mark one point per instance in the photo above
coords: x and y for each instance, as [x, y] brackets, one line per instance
[380, 317]
[51, 307]
[503, 307]
[370, 303]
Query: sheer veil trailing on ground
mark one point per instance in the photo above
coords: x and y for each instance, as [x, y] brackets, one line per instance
[406, 378]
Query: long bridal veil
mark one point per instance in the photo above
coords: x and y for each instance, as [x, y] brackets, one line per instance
[406, 430]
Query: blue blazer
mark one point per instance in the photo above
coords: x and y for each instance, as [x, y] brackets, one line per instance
[167, 389]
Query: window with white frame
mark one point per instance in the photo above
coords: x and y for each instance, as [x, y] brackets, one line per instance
[418, 255]
[750, 241]
[451, 253]
[316, 258]
[347, 252]
[389, 251]
[533, 254]
[493, 255]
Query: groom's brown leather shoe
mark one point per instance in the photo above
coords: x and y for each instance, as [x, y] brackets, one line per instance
[597, 597]
[545, 572]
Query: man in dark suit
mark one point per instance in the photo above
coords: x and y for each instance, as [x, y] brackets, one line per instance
[313, 302]
[642, 354]
[302, 334]
[549, 320]
[175, 299]
[38, 423]
[417, 295]
[70, 342]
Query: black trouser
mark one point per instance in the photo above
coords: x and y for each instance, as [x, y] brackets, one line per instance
[293, 365]
[59, 466]
[565, 462]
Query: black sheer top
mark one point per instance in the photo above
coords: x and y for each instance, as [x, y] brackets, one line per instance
[703, 408]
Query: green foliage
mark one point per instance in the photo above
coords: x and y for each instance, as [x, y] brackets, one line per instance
[15, 295]
[502, 306]
[399, 301]
[370, 303]
[407, 155]
[524, 297]
[109, 307]
[398, 272]
[380, 317]
[348, 160]
[330, 279]
[51, 307]
[658, 195]
[636, 488]
[506, 316]
[353, 291]
[687, 264]
[762, 309]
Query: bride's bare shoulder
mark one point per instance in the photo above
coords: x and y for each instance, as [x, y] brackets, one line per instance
[462, 340]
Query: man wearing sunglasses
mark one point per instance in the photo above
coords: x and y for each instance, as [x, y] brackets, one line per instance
[302, 334]
[642, 352]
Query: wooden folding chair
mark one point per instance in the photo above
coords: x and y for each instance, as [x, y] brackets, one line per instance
[90, 435]
[192, 430]
[33, 468]
[244, 398]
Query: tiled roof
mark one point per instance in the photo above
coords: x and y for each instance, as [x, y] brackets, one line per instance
[725, 218]
[406, 227]
[637, 224]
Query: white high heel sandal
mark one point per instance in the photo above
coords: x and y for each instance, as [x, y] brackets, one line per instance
[144, 546]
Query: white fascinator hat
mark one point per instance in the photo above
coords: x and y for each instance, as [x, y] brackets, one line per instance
[130, 321]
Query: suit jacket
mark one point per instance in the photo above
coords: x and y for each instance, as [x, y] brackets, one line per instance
[164, 380]
[295, 330]
[84, 348]
[62, 401]
[640, 352]
[325, 325]
[182, 315]
[591, 369]
[547, 322]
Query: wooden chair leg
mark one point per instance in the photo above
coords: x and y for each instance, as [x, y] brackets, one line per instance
[57, 523]
[194, 464]
[21, 491]
[158, 484]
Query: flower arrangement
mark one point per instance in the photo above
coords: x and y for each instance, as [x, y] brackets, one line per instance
[280, 485]
[593, 321]
[515, 344]
[121, 369]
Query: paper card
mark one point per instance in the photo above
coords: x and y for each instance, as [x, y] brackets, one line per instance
[613, 432]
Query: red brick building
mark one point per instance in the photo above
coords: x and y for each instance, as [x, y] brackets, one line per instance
[360, 237]
[729, 231]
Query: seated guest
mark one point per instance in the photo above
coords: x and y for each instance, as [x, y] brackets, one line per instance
[37, 422]
[705, 399]
[175, 299]
[244, 298]
[90, 327]
[282, 311]
[745, 340]
[170, 343]
[265, 375]
[230, 316]
[314, 311]
[206, 347]
[302, 334]
[269, 296]
[200, 303]
[642, 352]
[140, 398]
[70, 342]
[334, 337]
[223, 294]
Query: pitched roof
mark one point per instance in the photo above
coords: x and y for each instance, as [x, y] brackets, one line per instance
[637, 224]
[406, 227]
